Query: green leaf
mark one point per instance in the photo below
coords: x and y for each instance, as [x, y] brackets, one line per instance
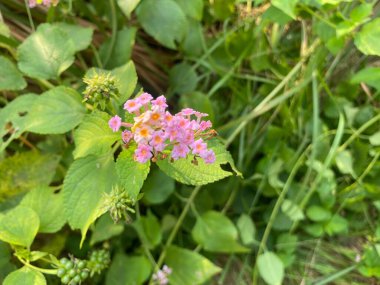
[375, 139]
[288, 7]
[216, 233]
[46, 53]
[271, 268]
[24, 171]
[158, 187]
[19, 226]
[105, 228]
[15, 116]
[222, 9]
[25, 276]
[318, 214]
[56, 111]
[49, 207]
[80, 36]
[193, 9]
[128, 270]
[164, 20]
[192, 43]
[336, 225]
[361, 12]
[122, 49]
[149, 230]
[84, 186]
[188, 267]
[344, 162]
[10, 77]
[184, 171]
[367, 40]
[127, 6]
[94, 136]
[369, 75]
[127, 80]
[131, 173]
[198, 101]
[293, 211]
[247, 229]
[286, 243]
[183, 78]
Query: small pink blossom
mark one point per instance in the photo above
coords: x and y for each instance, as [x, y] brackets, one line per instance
[115, 123]
[187, 112]
[208, 156]
[160, 102]
[158, 140]
[132, 106]
[32, 3]
[204, 125]
[199, 147]
[144, 98]
[180, 151]
[126, 136]
[143, 153]
[143, 133]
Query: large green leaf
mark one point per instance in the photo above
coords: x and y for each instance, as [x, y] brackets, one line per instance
[105, 228]
[367, 40]
[369, 75]
[19, 226]
[131, 173]
[25, 276]
[164, 20]
[158, 187]
[94, 136]
[46, 53]
[188, 267]
[86, 182]
[184, 171]
[149, 230]
[183, 78]
[193, 9]
[271, 268]
[127, 6]
[56, 111]
[10, 77]
[288, 6]
[80, 36]
[24, 171]
[128, 270]
[216, 233]
[49, 207]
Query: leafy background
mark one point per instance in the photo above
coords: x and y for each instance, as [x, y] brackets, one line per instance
[292, 87]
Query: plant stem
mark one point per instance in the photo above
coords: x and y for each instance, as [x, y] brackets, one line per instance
[42, 270]
[114, 30]
[29, 15]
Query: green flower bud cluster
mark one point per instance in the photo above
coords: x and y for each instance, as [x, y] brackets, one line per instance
[72, 272]
[100, 88]
[118, 204]
[99, 260]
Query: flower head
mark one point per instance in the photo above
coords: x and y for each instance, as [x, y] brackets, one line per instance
[144, 98]
[143, 153]
[132, 106]
[208, 156]
[160, 102]
[161, 276]
[115, 123]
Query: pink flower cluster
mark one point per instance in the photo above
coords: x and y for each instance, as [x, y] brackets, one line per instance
[161, 276]
[155, 130]
[47, 3]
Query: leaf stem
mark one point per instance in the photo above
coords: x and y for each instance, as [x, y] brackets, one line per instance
[114, 30]
[42, 270]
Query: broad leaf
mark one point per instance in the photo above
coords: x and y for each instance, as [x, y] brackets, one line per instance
[184, 171]
[46, 53]
[216, 233]
[131, 173]
[126, 77]
[19, 226]
[24, 171]
[49, 207]
[292, 210]
[164, 20]
[318, 214]
[369, 75]
[193, 9]
[149, 230]
[247, 229]
[288, 6]
[10, 77]
[105, 228]
[336, 225]
[188, 267]
[183, 78]
[94, 136]
[367, 40]
[158, 187]
[80, 36]
[271, 268]
[127, 6]
[128, 270]
[84, 186]
[56, 111]
[25, 276]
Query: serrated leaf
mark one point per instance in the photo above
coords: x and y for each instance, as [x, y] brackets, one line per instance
[46, 53]
[149, 230]
[24, 171]
[184, 171]
[25, 276]
[84, 186]
[131, 173]
[216, 233]
[271, 268]
[164, 20]
[105, 228]
[56, 111]
[188, 267]
[10, 77]
[367, 40]
[128, 270]
[80, 36]
[19, 226]
[49, 207]
[94, 136]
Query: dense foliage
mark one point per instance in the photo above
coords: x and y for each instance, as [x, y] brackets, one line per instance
[103, 180]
